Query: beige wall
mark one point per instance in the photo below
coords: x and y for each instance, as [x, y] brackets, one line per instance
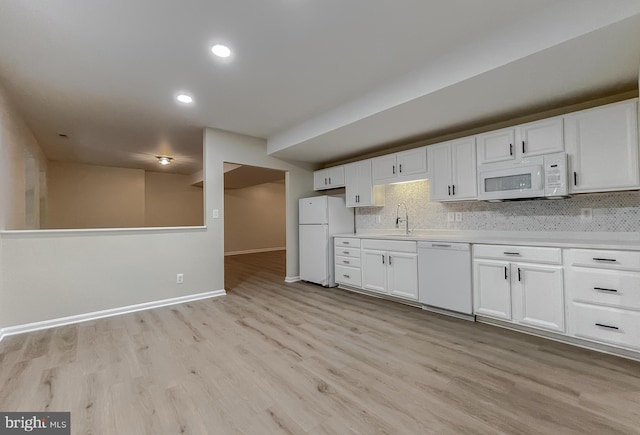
[17, 147]
[255, 218]
[171, 201]
[90, 196]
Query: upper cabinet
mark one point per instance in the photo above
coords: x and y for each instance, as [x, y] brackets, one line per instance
[602, 146]
[408, 165]
[330, 178]
[453, 170]
[526, 140]
[359, 188]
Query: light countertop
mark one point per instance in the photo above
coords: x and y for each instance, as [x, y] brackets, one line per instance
[588, 240]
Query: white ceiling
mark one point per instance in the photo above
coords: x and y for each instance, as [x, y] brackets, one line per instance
[321, 80]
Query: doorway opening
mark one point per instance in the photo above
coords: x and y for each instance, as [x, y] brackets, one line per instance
[254, 224]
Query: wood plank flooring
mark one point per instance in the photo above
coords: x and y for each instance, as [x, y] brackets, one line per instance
[296, 358]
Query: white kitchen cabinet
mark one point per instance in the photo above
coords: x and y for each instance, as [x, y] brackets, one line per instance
[390, 267]
[410, 165]
[602, 148]
[359, 188]
[330, 178]
[348, 261]
[526, 140]
[453, 170]
[492, 289]
[510, 285]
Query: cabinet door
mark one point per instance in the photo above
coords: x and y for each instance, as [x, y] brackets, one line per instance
[351, 184]
[412, 164]
[602, 145]
[464, 183]
[374, 270]
[440, 160]
[538, 296]
[365, 184]
[540, 137]
[492, 289]
[336, 176]
[496, 146]
[402, 275]
[320, 179]
[384, 169]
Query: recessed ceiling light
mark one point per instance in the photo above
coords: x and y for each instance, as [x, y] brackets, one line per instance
[221, 50]
[164, 160]
[184, 98]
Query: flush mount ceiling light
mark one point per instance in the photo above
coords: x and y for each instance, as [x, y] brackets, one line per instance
[164, 160]
[221, 50]
[184, 98]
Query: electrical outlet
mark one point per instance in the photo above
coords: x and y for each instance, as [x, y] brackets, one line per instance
[458, 216]
[450, 216]
[179, 278]
[378, 219]
[216, 214]
[586, 214]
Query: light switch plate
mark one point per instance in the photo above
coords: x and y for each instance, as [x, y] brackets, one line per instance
[458, 216]
[450, 216]
[216, 214]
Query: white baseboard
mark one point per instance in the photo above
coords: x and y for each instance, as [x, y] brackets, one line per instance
[291, 279]
[53, 323]
[254, 251]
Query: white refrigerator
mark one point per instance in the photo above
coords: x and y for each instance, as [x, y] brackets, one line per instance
[320, 218]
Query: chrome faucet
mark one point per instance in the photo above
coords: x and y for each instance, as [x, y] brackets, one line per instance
[405, 219]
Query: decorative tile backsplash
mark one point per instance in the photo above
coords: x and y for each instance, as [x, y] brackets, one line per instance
[615, 211]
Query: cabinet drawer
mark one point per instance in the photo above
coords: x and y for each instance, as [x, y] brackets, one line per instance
[624, 260]
[348, 242]
[348, 261]
[609, 325]
[349, 275]
[347, 252]
[607, 287]
[390, 245]
[529, 254]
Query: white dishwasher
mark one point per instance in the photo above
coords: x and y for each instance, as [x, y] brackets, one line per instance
[444, 276]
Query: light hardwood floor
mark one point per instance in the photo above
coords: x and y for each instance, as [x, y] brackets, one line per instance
[296, 358]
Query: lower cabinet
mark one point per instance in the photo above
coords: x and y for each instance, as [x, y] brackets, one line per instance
[390, 272]
[525, 293]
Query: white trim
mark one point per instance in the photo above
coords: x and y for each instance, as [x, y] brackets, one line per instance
[17, 233]
[78, 318]
[291, 279]
[255, 251]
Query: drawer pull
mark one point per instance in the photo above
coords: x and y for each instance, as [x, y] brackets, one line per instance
[344, 242]
[602, 289]
[345, 262]
[345, 252]
[604, 259]
[436, 245]
[602, 325]
[347, 276]
[511, 253]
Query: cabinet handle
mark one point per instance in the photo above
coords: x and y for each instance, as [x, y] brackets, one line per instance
[394, 169]
[345, 252]
[401, 168]
[505, 272]
[575, 178]
[382, 258]
[611, 260]
[329, 180]
[325, 181]
[511, 253]
[606, 289]
[602, 325]
[389, 260]
[453, 188]
[523, 147]
[449, 187]
[346, 262]
[437, 245]
[510, 149]
[519, 275]
[347, 276]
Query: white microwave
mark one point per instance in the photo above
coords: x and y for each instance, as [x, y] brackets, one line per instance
[533, 177]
